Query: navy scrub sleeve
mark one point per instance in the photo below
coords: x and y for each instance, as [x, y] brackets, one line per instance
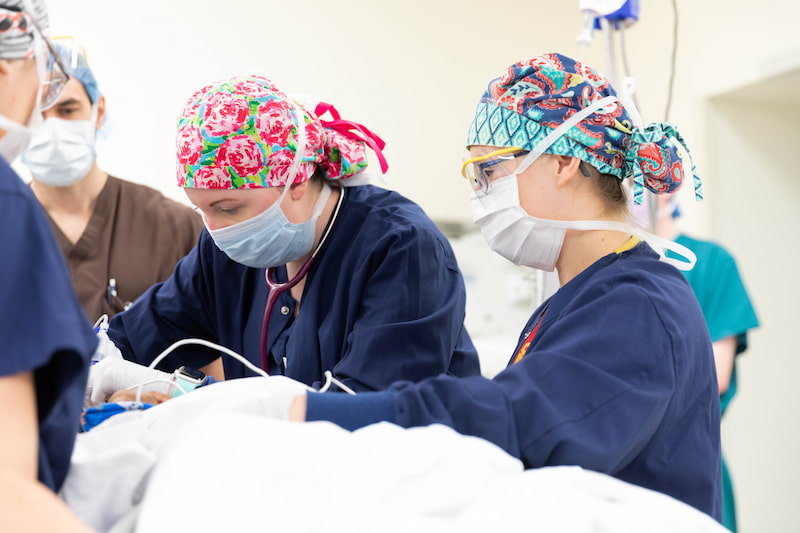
[619, 379]
[383, 301]
[42, 327]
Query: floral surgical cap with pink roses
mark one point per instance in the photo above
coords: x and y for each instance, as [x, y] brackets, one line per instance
[242, 133]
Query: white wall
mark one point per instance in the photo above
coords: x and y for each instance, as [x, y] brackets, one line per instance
[412, 70]
[752, 139]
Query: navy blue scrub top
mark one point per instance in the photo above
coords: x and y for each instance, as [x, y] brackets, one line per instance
[384, 300]
[619, 379]
[42, 327]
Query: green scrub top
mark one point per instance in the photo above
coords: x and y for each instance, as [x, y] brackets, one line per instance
[728, 311]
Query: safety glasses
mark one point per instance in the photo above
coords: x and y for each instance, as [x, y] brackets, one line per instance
[56, 76]
[481, 171]
[73, 46]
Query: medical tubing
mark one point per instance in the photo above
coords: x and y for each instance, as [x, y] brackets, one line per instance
[102, 322]
[272, 297]
[101, 330]
[673, 57]
[209, 344]
[274, 292]
[609, 29]
[330, 379]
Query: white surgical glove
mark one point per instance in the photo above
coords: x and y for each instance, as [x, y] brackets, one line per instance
[111, 374]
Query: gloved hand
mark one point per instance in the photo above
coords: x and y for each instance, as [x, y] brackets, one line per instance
[111, 374]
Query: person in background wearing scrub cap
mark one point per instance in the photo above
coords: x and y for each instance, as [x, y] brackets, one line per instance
[728, 311]
[373, 291]
[47, 342]
[614, 372]
[118, 237]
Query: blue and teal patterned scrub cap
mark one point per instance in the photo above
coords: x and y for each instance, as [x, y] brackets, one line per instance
[535, 96]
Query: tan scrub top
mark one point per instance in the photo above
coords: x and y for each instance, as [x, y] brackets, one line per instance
[133, 240]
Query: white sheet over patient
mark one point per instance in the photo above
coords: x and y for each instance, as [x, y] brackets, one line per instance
[225, 466]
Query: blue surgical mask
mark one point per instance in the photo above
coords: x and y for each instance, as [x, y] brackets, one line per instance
[269, 239]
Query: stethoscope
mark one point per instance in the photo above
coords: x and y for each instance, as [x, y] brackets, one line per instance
[275, 288]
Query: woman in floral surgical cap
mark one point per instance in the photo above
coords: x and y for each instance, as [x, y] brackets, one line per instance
[374, 293]
[615, 371]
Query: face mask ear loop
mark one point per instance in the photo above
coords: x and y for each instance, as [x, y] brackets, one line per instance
[300, 139]
[553, 136]
[93, 118]
[300, 149]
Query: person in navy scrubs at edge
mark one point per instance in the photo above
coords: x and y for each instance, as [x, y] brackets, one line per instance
[47, 340]
[615, 371]
[378, 294]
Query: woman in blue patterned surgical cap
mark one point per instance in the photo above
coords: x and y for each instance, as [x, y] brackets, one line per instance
[46, 339]
[614, 372]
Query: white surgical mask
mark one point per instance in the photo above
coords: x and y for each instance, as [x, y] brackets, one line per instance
[534, 242]
[62, 152]
[16, 138]
[268, 239]
[511, 231]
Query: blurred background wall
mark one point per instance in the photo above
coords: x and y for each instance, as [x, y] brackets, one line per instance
[413, 70]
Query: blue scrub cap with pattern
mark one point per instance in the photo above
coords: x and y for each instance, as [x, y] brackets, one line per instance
[536, 95]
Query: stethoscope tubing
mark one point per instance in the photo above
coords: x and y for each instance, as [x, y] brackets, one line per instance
[276, 288]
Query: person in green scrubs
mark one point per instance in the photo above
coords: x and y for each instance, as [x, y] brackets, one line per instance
[729, 315]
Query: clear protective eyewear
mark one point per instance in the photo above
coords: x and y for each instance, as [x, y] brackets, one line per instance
[76, 50]
[56, 75]
[482, 170]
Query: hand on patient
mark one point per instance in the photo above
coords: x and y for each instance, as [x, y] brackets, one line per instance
[113, 374]
[152, 397]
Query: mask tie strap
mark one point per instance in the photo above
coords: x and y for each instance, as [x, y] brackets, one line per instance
[562, 128]
[659, 244]
[299, 154]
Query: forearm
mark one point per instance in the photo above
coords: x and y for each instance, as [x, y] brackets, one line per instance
[27, 505]
[297, 409]
[724, 355]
